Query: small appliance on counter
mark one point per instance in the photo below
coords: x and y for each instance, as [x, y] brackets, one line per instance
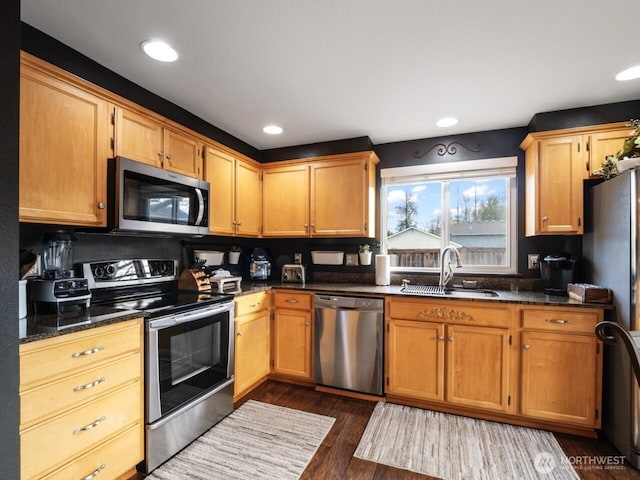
[293, 273]
[259, 265]
[557, 272]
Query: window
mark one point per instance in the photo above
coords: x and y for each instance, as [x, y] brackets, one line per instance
[470, 205]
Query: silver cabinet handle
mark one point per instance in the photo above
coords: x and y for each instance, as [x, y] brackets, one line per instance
[450, 339]
[95, 473]
[545, 219]
[440, 337]
[526, 346]
[254, 305]
[90, 426]
[292, 300]
[168, 156]
[90, 385]
[88, 352]
[558, 321]
[239, 334]
[101, 206]
[307, 324]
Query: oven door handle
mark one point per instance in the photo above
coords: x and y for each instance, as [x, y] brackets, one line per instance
[193, 315]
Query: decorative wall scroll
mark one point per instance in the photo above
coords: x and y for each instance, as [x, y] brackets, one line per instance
[448, 149]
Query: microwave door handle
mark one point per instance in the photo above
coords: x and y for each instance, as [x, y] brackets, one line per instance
[200, 206]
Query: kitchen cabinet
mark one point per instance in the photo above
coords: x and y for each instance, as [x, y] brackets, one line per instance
[456, 352]
[64, 146]
[236, 201]
[330, 196]
[292, 334]
[148, 140]
[561, 365]
[252, 343]
[81, 403]
[556, 164]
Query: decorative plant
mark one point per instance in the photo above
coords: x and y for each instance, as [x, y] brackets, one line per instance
[630, 149]
[235, 248]
[364, 248]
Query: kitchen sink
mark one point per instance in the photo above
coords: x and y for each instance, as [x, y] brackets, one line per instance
[437, 291]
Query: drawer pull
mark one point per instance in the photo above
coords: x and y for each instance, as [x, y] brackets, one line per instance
[558, 321]
[526, 346]
[89, 385]
[292, 300]
[88, 352]
[254, 305]
[95, 473]
[90, 426]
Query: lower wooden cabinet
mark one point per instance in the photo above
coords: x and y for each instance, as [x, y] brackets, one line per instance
[446, 352]
[81, 398]
[292, 334]
[253, 342]
[561, 365]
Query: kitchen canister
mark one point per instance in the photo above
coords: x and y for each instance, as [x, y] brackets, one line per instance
[383, 270]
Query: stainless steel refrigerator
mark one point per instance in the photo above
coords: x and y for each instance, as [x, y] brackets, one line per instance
[611, 251]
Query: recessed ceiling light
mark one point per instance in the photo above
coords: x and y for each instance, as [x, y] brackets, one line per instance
[272, 130]
[447, 122]
[629, 74]
[159, 50]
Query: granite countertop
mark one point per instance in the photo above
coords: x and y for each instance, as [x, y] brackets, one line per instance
[504, 296]
[94, 316]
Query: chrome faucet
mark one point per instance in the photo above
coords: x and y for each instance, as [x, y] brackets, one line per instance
[447, 277]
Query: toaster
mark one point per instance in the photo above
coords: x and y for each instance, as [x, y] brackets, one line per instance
[293, 273]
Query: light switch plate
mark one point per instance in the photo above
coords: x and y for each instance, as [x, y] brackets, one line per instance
[351, 259]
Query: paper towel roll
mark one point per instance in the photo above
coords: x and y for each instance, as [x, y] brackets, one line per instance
[383, 270]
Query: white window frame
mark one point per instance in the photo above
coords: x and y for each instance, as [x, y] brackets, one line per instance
[497, 167]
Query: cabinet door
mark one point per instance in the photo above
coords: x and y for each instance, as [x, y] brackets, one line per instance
[252, 352]
[478, 366]
[64, 146]
[248, 199]
[339, 198]
[559, 373]
[606, 143]
[220, 173]
[415, 359]
[286, 201]
[182, 153]
[292, 343]
[138, 137]
[560, 175]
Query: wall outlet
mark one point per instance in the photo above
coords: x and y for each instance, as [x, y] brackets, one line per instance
[533, 261]
[351, 259]
[297, 258]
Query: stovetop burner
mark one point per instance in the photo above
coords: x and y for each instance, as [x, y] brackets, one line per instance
[146, 285]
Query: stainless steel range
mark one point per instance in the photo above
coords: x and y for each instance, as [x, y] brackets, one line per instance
[188, 350]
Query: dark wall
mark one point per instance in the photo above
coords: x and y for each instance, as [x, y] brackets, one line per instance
[347, 145]
[9, 154]
[585, 116]
[48, 48]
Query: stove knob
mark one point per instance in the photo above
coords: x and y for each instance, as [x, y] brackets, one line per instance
[71, 284]
[98, 272]
[111, 269]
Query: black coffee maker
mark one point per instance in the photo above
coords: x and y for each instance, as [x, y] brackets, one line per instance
[259, 264]
[557, 272]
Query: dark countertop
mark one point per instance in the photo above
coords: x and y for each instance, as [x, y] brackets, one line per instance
[95, 316]
[99, 316]
[524, 297]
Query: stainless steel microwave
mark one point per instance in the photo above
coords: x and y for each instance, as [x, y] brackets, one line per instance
[150, 199]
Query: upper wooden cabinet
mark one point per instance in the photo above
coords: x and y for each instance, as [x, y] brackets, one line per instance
[64, 146]
[147, 140]
[236, 197]
[557, 162]
[321, 197]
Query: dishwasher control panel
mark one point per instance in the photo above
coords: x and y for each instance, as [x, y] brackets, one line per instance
[351, 303]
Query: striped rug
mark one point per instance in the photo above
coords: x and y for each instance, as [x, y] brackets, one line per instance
[257, 441]
[455, 448]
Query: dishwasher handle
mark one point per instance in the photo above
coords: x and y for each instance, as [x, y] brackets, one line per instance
[349, 303]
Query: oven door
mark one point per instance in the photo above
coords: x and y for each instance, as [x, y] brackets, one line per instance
[188, 355]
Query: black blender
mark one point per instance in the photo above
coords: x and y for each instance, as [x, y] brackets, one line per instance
[58, 291]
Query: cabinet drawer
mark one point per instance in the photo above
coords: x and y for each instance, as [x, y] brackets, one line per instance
[254, 302]
[49, 359]
[50, 399]
[576, 320]
[63, 437]
[462, 313]
[110, 459]
[292, 300]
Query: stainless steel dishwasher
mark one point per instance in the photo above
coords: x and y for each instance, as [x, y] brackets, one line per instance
[348, 343]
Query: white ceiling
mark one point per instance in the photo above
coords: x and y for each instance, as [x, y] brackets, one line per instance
[333, 69]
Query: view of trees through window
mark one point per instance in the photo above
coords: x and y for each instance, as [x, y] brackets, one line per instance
[424, 217]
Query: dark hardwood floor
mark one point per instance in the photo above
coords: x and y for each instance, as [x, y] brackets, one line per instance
[334, 459]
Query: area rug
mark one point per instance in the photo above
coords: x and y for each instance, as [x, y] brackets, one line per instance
[455, 448]
[257, 441]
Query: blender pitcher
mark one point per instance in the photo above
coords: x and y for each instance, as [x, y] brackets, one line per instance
[57, 255]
